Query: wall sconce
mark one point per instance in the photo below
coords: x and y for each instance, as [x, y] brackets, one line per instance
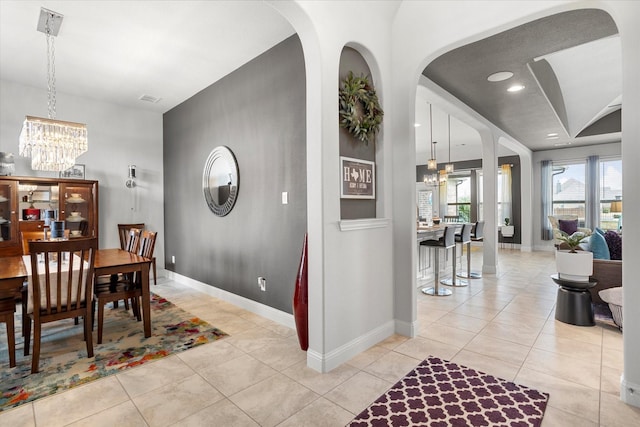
[131, 182]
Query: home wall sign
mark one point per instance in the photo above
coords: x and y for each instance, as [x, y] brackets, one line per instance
[358, 179]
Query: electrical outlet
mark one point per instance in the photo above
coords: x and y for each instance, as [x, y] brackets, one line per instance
[262, 282]
[173, 259]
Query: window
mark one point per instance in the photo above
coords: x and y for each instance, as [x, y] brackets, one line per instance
[610, 192]
[569, 190]
[459, 196]
[480, 193]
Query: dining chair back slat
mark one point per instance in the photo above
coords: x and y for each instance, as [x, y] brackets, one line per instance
[123, 233]
[147, 247]
[147, 243]
[133, 240]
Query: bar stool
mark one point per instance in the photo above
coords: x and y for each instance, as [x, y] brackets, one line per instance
[477, 235]
[447, 241]
[463, 238]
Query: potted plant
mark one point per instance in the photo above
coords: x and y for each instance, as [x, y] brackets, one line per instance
[574, 265]
[506, 221]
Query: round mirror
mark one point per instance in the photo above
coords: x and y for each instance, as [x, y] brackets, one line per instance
[220, 181]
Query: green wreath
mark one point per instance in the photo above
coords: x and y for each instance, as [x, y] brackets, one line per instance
[360, 111]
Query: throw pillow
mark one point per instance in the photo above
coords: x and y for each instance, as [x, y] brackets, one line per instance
[614, 243]
[599, 247]
[600, 230]
[569, 226]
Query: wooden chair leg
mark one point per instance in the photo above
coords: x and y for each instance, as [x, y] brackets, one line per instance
[100, 321]
[11, 337]
[24, 297]
[88, 336]
[35, 358]
[135, 303]
[26, 322]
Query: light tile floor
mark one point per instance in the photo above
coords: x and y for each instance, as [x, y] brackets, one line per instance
[502, 324]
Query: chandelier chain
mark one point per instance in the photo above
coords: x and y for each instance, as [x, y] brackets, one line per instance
[51, 70]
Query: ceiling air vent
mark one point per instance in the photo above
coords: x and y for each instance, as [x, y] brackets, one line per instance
[149, 98]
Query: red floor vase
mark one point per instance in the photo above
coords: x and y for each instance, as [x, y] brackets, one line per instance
[301, 300]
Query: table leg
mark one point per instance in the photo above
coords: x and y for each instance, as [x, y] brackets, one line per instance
[146, 300]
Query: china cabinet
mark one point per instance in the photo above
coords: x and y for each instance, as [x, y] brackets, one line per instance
[32, 203]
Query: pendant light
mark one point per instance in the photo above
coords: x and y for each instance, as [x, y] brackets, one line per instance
[53, 145]
[449, 166]
[432, 164]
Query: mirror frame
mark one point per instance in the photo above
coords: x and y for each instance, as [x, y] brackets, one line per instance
[221, 154]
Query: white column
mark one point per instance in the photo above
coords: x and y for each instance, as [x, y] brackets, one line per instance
[490, 201]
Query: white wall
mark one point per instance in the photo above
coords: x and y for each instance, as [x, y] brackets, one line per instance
[350, 272]
[627, 15]
[118, 136]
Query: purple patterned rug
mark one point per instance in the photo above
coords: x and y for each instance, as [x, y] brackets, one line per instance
[438, 393]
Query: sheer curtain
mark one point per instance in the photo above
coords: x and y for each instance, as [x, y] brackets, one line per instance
[547, 199]
[592, 214]
[506, 194]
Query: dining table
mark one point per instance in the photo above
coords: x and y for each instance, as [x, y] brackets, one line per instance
[12, 276]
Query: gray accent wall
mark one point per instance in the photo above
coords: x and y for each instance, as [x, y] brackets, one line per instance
[258, 111]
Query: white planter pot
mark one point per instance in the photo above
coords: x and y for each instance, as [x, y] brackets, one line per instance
[575, 267]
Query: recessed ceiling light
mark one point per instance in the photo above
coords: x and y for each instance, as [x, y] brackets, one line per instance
[417, 125]
[500, 76]
[552, 134]
[560, 144]
[515, 88]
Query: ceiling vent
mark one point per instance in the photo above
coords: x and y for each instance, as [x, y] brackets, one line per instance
[149, 98]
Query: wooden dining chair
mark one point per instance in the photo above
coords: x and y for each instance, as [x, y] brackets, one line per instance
[145, 248]
[118, 288]
[122, 233]
[26, 237]
[60, 287]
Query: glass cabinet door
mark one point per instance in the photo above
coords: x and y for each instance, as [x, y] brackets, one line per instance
[8, 218]
[77, 209]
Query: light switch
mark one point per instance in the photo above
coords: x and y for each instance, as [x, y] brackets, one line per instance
[285, 198]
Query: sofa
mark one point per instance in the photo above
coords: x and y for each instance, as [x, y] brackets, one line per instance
[608, 274]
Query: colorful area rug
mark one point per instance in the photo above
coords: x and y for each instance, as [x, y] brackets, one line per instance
[438, 393]
[63, 356]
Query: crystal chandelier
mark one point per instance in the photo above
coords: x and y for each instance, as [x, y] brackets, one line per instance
[53, 145]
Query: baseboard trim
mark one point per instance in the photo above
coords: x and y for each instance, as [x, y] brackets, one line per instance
[270, 313]
[629, 392]
[408, 329]
[328, 361]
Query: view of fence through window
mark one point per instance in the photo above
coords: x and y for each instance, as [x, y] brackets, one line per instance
[569, 191]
